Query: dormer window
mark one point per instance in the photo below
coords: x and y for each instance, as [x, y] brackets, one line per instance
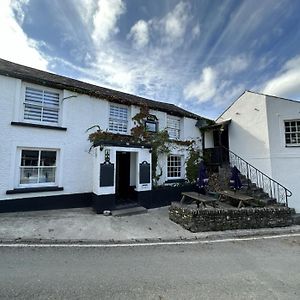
[41, 106]
[173, 127]
[118, 119]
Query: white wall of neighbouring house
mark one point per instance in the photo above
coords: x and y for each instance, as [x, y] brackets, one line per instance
[257, 134]
[285, 159]
[248, 130]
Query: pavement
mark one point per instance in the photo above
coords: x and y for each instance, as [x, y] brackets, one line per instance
[83, 225]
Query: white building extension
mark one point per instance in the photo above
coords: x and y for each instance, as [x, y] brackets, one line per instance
[265, 131]
[46, 160]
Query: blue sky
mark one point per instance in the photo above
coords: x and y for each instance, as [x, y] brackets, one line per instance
[200, 55]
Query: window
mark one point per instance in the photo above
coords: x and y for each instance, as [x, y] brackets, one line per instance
[174, 166]
[173, 127]
[118, 119]
[292, 132]
[38, 167]
[41, 105]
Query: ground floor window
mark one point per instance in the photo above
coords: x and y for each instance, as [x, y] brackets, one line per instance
[38, 167]
[292, 132]
[174, 166]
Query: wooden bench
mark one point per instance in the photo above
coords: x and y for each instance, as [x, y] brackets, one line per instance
[241, 198]
[198, 198]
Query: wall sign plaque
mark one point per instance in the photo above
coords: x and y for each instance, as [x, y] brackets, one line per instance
[106, 174]
[144, 172]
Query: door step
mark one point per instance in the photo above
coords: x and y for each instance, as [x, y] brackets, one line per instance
[129, 211]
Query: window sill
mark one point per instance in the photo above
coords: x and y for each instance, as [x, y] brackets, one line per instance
[34, 190]
[179, 180]
[292, 146]
[24, 124]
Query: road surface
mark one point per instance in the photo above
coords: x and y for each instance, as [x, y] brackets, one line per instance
[258, 269]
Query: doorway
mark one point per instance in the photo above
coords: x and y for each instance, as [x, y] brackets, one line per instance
[124, 192]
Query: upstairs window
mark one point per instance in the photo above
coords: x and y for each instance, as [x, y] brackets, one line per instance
[41, 105]
[173, 127]
[118, 119]
[38, 167]
[292, 132]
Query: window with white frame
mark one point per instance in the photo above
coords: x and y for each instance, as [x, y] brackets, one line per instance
[173, 127]
[41, 105]
[174, 166]
[118, 119]
[38, 167]
[292, 132]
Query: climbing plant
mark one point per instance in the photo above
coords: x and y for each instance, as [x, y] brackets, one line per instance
[192, 164]
[159, 140]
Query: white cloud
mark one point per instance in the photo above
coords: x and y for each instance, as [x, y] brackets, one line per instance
[196, 30]
[139, 32]
[86, 9]
[203, 89]
[216, 83]
[169, 30]
[176, 21]
[287, 82]
[16, 46]
[234, 65]
[18, 7]
[105, 19]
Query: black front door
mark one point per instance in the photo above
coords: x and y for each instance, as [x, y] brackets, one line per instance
[123, 177]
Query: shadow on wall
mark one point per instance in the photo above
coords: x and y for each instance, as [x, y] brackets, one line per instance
[250, 147]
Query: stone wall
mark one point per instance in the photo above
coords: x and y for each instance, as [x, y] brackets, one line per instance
[197, 220]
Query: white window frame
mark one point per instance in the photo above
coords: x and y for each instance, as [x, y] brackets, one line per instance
[41, 184]
[181, 167]
[171, 127]
[296, 132]
[43, 105]
[121, 121]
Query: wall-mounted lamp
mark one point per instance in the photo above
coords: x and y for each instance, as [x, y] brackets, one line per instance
[101, 147]
[150, 150]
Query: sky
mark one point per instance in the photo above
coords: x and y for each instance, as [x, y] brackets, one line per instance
[198, 54]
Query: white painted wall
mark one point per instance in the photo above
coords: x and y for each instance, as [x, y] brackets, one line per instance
[285, 160]
[256, 133]
[76, 170]
[139, 154]
[248, 130]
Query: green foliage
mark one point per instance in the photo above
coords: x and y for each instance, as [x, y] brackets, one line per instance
[192, 165]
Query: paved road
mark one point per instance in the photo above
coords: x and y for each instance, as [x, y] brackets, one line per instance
[260, 269]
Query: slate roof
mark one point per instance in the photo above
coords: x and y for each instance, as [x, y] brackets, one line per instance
[32, 75]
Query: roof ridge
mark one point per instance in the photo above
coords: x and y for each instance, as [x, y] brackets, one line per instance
[42, 77]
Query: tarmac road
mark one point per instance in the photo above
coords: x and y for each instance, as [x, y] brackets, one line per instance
[256, 269]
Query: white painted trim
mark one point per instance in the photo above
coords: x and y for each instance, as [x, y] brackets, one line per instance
[148, 244]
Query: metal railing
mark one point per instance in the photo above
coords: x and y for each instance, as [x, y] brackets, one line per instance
[275, 190]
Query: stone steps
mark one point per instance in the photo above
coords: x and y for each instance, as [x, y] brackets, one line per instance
[129, 211]
[248, 188]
